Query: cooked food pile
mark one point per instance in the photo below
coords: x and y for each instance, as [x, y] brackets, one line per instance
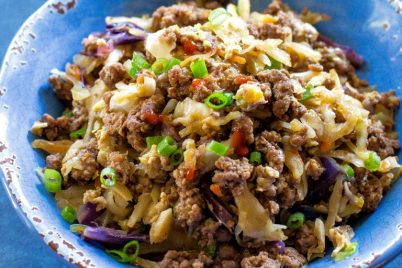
[210, 136]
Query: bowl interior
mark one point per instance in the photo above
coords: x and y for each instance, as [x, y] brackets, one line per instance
[49, 39]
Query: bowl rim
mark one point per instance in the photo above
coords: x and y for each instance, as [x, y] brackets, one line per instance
[13, 195]
[8, 170]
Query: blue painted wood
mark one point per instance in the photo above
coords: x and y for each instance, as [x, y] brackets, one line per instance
[58, 38]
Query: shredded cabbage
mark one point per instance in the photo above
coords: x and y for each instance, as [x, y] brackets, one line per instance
[333, 204]
[71, 159]
[79, 92]
[340, 237]
[293, 160]
[161, 227]
[118, 198]
[254, 221]
[319, 233]
[128, 96]
[198, 118]
[158, 46]
[52, 147]
[303, 50]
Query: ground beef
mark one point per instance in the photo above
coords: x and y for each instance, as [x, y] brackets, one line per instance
[180, 82]
[334, 58]
[231, 174]
[267, 143]
[379, 142]
[189, 207]
[282, 89]
[390, 100]
[244, 125]
[136, 140]
[268, 30]
[262, 260]
[90, 45]
[183, 259]
[314, 168]
[87, 157]
[227, 264]
[221, 75]
[113, 73]
[300, 31]
[288, 197]
[373, 99]
[121, 165]
[223, 235]
[287, 194]
[305, 238]
[135, 122]
[274, 7]
[292, 258]
[114, 123]
[176, 259]
[61, 87]
[169, 130]
[298, 139]
[181, 15]
[271, 206]
[79, 118]
[54, 161]
[227, 252]
[205, 233]
[56, 128]
[372, 191]
[62, 126]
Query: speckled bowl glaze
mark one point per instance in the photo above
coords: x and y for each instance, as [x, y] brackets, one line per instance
[52, 35]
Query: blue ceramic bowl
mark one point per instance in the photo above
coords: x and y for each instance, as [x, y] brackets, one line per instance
[52, 35]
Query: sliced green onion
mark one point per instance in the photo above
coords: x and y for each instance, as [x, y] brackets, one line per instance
[159, 66]
[52, 180]
[199, 68]
[349, 172]
[108, 177]
[138, 63]
[166, 146]
[255, 158]
[176, 157]
[295, 221]
[77, 228]
[219, 100]
[78, 133]
[346, 252]
[217, 148]
[132, 257]
[307, 94]
[274, 64]
[172, 62]
[153, 140]
[68, 213]
[118, 255]
[68, 113]
[210, 250]
[218, 16]
[230, 96]
[372, 163]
